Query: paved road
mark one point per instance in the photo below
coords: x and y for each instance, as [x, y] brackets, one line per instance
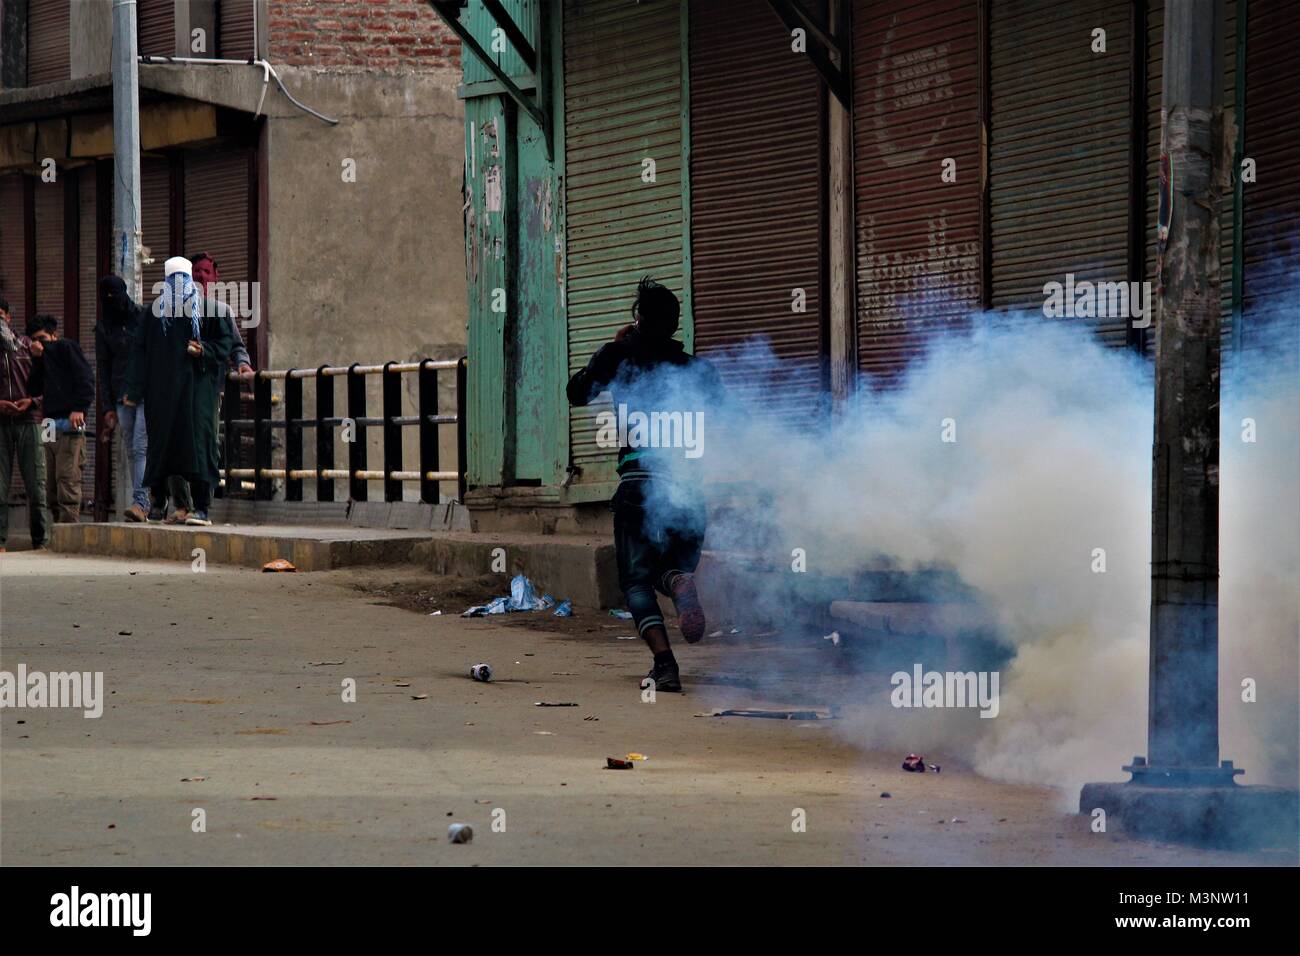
[225, 696]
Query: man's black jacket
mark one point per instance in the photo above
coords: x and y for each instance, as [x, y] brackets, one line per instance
[62, 377]
[113, 351]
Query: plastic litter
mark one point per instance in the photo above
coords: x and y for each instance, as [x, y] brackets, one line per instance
[481, 672]
[619, 613]
[522, 597]
[915, 763]
[565, 609]
[279, 564]
[460, 833]
[618, 763]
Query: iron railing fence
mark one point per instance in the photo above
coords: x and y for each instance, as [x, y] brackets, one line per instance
[358, 473]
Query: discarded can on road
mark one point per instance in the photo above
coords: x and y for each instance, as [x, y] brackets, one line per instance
[914, 763]
[460, 833]
[618, 763]
[482, 672]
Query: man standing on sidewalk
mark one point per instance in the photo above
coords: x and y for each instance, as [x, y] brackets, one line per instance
[20, 435]
[113, 333]
[67, 390]
[178, 361]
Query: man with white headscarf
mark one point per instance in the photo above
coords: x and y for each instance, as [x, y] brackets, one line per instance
[178, 359]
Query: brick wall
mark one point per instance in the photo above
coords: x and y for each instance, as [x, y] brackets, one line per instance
[379, 34]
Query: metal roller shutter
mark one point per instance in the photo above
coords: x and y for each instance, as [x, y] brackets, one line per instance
[916, 103]
[156, 27]
[622, 94]
[1059, 150]
[235, 26]
[88, 306]
[48, 45]
[1155, 38]
[756, 199]
[49, 249]
[155, 221]
[13, 245]
[1271, 206]
[217, 217]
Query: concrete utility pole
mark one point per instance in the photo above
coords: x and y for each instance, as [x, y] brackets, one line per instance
[1183, 716]
[126, 149]
[1180, 790]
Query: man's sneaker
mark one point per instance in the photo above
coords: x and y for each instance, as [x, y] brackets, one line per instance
[156, 515]
[690, 616]
[665, 677]
[197, 517]
[136, 513]
[179, 516]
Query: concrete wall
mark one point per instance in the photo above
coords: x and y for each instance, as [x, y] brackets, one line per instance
[371, 270]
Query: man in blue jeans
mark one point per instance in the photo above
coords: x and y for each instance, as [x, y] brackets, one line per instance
[113, 336]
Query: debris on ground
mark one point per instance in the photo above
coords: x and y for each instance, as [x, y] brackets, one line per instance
[618, 763]
[637, 756]
[460, 833]
[833, 637]
[434, 613]
[328, 723]
[193, 779]
[619, 613]
[481, 672]
[915, 763]
[816, 713]
[279, 564]
[552, 703]
[419, 697]
[565, 609]
[325, 663]
[521, 598]
[591, 717]
[885, 795]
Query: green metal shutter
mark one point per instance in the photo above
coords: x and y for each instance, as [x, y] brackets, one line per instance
[1059, 150]
[1155, 91]
[756, 201]
[623, 105]
[916, 103]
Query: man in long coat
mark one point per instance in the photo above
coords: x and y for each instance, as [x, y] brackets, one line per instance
[178, 363]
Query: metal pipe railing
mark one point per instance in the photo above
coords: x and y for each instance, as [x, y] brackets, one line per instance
[358, 472]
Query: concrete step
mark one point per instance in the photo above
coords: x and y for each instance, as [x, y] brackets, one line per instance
[309, 548]
[579, 568]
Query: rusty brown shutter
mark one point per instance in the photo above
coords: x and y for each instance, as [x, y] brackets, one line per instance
[1271, 206]
[49, 250]
[1155, 92]
[756, 208]
[48, 45]
[156, 27]
[155, 222]
[916, 103]
[1059, 144]
[217, 216]
[235, 26]
[13, 248]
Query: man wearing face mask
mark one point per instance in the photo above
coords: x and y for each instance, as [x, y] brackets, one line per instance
[113, 334]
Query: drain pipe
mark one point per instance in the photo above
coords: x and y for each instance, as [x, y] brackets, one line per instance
[268, 72]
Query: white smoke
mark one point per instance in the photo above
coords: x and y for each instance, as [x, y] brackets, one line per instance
[1048, 477]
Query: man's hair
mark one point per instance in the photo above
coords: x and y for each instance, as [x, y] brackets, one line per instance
[4, 304]
[657, 308]
[200, 257]
[42, 323]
